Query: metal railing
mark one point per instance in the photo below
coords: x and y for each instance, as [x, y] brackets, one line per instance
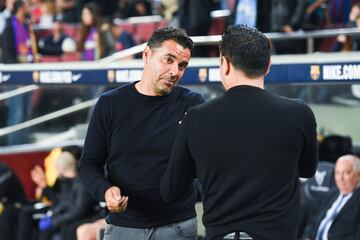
[199, 40]
[215, 39]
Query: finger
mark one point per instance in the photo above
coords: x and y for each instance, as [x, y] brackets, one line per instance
[116, 194]
[120, 207]
[111, 197]
[125, 204]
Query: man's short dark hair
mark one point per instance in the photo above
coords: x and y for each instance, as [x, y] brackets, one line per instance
[247, 49]
[170, 33]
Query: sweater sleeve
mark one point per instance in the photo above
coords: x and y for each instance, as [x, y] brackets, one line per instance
[181, 169]
[95, 153]
[309, 155]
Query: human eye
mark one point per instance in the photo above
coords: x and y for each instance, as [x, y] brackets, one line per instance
[182, 66]
[168, 59]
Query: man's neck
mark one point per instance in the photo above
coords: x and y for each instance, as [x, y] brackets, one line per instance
[145, 89]
[237, 78]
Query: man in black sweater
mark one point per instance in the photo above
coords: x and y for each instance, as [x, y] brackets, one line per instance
[131, 134]
[247, 147]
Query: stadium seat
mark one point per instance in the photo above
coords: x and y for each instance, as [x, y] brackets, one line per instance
[144, 31]
[129, 27]
[72, 31]
[71, 57]
[313, 192]
[217, 26]
[50, 59]
[162, 23]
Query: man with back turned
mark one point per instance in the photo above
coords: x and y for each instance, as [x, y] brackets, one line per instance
[247, 148]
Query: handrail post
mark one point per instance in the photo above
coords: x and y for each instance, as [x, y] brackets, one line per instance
[310, 45]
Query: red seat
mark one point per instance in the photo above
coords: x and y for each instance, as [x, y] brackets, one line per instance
[129, 27]
[50, 58]
[162, 23]
[144, 31]
[217, 26]
[71, 57]
[42, 33]
[72, 31]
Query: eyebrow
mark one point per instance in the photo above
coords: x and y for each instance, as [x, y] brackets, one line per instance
[170, 55]
[173, 56]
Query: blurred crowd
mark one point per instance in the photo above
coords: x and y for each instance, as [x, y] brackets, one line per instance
[33, 30]
[61, 208]
[73, 30]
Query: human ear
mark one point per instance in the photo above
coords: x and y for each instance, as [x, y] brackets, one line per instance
[225, 66]
[268, 70]
[146, 54]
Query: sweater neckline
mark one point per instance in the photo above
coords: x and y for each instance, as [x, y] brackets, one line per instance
[136, 93]
[244, 87]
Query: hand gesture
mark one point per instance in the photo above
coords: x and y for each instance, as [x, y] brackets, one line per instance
[38, 176]
[114, 201]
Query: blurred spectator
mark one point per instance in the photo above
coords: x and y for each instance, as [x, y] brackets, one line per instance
[46, 180]
[36, 10]
[132, 8]
[89, 231]
[47, 14]
[313, 191]
[262, 13]
[195, 19]
[123, 39]
[107, 7]
[74, 204]
[347, 43]
[339, 11]
[18, 46]
[340, 210]
[12, 197]
[316, 188]
[284, 18]
[314, 14]
[169, 10]
[307, 15]
[70, 203]
[140, 8]
[68, 9]
[246, 12]
[96, 40]
[16, 41]
[57, 42]
[122, 8]
[5, 12]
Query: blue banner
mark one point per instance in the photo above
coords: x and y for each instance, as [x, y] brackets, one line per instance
[279, 74]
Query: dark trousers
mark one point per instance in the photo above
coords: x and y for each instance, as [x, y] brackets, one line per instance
[27, 225]
[9, 222]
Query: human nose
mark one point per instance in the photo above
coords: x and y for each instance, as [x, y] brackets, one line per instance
[174, 69]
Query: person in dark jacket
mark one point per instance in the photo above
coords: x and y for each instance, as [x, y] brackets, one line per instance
[17, 47]
[195, 19]
[72, 204]
[247, 148]
[75, 202]
[53, 44]
[16, 40]
[339, 216]
[12, 197]
[131, 133]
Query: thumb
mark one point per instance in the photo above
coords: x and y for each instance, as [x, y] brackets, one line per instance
[116, 193]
